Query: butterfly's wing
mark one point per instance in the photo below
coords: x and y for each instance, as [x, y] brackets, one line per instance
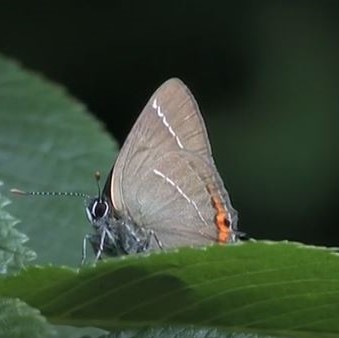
[165, 178]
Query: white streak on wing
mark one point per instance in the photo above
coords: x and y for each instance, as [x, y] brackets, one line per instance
[168, 180]
[199, 213]
[165, 122]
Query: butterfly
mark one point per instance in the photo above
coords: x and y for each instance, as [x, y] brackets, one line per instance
[164, 190]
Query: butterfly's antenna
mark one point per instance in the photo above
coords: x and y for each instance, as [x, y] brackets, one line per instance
[97, 177]
[48, 193]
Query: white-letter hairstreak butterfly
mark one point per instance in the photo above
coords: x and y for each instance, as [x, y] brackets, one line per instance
[164, 190]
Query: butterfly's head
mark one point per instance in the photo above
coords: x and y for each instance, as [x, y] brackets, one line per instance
[97, 208]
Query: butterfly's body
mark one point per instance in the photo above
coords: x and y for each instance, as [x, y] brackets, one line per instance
[116, 236]
[121, 238]
[164, 190]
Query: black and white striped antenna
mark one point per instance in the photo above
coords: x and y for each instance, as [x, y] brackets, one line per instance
[56, 193]
[48, 193]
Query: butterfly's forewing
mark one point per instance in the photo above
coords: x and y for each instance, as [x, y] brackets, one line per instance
[152, 133]
[165, 178]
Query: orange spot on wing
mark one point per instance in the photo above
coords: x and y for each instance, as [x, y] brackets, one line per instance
[221, 220]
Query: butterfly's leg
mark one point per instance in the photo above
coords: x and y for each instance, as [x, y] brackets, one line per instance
[153, 234]
[110, 236]
[101, 246]
[95, 241]
[84, 248]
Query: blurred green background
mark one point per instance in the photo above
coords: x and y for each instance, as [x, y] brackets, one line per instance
[265, 74]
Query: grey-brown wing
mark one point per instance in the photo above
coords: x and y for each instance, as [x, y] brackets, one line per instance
[170, 121]
[174, 198]
[170, 135]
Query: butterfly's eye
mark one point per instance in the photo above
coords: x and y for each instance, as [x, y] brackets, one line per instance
[99, 209]
[96, 209]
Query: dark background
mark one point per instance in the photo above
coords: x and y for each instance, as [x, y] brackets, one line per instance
[265, 74]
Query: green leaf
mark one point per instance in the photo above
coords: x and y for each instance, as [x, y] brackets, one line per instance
[260, 287]
[13, 254]
[178, 332]
[49, 142]
[18, 320]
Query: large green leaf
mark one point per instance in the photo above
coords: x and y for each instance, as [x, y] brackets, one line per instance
[48, 141]
[280, 288]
